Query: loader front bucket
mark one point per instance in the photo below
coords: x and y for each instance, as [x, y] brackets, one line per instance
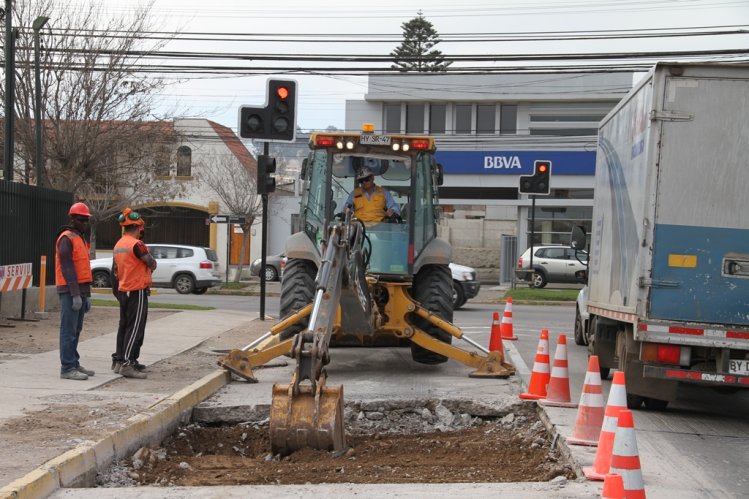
[310, 418]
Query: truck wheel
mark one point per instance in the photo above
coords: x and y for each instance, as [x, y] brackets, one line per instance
[634, 401]
[580, 338]
[459, 298]
[297, 291]
[655, 404]
[432, 288]
[605, 371]
[538, 279]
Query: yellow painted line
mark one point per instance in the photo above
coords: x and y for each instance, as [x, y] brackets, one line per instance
[688, 261]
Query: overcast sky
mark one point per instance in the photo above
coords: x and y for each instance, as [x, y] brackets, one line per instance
[322, 97]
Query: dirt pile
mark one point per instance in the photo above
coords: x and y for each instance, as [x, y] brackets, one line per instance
[515, 448]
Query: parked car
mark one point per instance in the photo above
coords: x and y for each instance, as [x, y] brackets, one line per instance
[274, 265]
[551, 264]
[465, 285]
[188, 269]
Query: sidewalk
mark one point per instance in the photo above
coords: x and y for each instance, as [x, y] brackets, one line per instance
[32, 383]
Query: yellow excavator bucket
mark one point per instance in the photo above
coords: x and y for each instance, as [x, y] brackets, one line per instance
[312, 417]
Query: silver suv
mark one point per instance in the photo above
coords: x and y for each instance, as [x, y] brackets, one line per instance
[188, 269]
[555, 264]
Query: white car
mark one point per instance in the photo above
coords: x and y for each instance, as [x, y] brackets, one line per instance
[555, 264]
[465, 284]
[188, 269]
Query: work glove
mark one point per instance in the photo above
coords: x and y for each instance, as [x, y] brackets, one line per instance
[77, 303]
[86, 304]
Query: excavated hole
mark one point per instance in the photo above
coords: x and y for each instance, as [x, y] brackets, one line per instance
[430, 443]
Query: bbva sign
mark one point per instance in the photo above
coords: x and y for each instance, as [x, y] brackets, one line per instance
[506, 162]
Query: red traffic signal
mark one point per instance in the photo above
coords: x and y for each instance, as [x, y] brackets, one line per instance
[282, 92]
[539, 182]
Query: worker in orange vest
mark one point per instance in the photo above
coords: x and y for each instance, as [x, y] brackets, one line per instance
[73, 280]
[371, 202]
[131, 270]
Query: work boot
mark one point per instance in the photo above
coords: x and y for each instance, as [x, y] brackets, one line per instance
[74, 374]
[116, 366]
[87, 372]
[128, 371]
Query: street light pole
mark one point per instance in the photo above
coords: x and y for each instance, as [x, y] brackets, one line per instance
[9, 83]
[39, 23]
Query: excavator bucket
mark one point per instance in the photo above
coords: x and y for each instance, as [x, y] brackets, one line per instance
[310, 418]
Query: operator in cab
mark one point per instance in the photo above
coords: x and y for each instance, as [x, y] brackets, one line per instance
[371, 203]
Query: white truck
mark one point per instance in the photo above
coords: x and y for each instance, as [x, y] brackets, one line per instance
[668, 275]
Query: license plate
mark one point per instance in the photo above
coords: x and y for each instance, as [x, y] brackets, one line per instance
[736, 366]
[375, 140]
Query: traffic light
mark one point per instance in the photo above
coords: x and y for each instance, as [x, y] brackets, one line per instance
[266, 167]
[276, 122]
[539, 182]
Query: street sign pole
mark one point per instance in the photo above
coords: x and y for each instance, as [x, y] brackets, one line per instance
[228, 250]
[264, 243]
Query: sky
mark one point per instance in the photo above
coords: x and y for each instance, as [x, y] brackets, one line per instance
[375, 28]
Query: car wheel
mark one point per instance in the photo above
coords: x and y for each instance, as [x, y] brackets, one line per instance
[459, 297]
[580, 338]
[538, 280]
[271, 274]
[199, 291]
[655, 404]
[431, 288]
[184, 284]
[101, 279]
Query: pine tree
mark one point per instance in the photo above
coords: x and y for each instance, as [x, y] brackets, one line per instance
[416, 51]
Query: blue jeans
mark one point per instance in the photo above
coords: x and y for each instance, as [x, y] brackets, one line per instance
[71, 324]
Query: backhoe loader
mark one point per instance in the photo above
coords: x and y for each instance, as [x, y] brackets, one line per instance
[354, 283]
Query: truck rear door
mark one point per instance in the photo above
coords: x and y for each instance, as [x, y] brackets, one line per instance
[700, 267]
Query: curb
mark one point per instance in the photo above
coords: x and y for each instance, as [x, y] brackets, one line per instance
[77, 467]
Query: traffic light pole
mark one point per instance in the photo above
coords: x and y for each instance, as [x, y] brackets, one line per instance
[533, 232]
[264, 242]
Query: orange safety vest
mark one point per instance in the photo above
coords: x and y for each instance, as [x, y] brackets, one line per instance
[132, 272]
[369, 210]
[81, 260]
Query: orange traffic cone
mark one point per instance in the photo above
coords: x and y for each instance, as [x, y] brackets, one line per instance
[590, 413]
[540, 375]
[616, 402]
[625, 460]
[559, 385]
[613, 487]
[495, 340]
[506, 326]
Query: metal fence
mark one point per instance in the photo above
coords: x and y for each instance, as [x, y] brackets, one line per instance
[29, 219]
[508, 258]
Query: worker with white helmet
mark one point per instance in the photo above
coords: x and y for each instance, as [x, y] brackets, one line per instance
[371, 203]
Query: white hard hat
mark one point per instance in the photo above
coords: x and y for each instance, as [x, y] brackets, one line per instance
[364, 173]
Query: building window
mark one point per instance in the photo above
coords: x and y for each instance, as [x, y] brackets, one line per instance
[415, 118]
[161, 169]
[437, 114]
[485, 114]
[392, 118]
[508, 119]
[463, 118]
[184, 161]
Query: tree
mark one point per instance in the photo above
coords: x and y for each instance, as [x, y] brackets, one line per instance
[236, 187]
[102, 140]
[416, 51]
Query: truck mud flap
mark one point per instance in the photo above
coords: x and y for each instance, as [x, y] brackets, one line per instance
[675, 374]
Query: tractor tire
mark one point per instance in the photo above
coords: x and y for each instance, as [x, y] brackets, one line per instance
[297, 291]
[433, 289]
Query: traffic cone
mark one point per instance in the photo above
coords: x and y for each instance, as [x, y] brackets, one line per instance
[495, 340]
[540, 375]
[559, 385]
[625, 460]
[506, 326]
[613, 487]
[616, 402]
[590, 413]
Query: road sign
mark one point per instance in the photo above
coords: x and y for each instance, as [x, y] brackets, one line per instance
[226, 219]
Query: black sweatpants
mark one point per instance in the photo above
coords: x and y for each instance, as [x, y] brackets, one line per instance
[133, 312]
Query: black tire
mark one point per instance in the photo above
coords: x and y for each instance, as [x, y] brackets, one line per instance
[538, 279]
[432, 288]
[101, 279]
[271, 274]
[459, 297]
[580, 338]
[297, 291]
[605, 371]
[199, 291]
[655, 404]
[634, 401]
[184, 284]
